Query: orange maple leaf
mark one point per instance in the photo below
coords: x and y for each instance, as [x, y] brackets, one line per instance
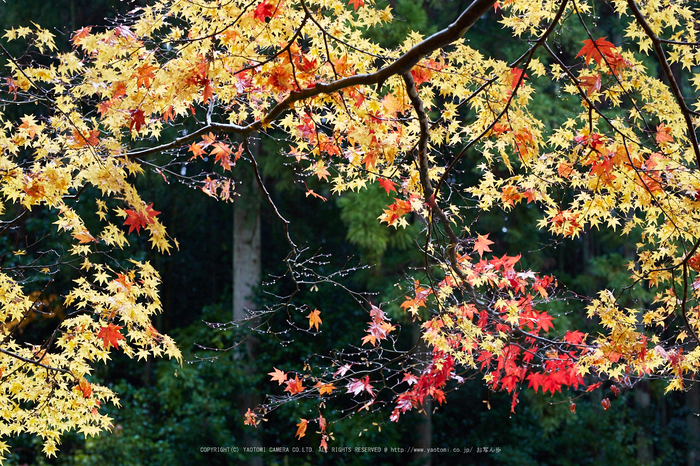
[222, 154]
[591, 84]
[144, 74]
[294, 386]
[481, 245]
[196, 149]
[80, 34]
[110, 335]
[29, 126]
[663, 134]
[395, 211]
[278, 376]
[356, 3]
[314, 319]
[251, 418]
[136, 220]
[84, 237]
[325, 388]
[597, 50]
[301, 431]
[85, 387]
[210, 187]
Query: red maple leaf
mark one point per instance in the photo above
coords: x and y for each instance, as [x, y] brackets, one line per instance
[387, 185]
[396, 210]
[110, 335]
[597, 50]
[356, 3]
[575, 337]
[517, 76]
[294, 386]
[138, 118]
[136, 220]
[264, 10]
[482, 243]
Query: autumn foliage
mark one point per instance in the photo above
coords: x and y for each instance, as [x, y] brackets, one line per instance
[353, 114]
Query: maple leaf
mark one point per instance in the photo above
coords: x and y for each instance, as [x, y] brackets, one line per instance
[516, 76]
[29, 126]
[575, 337]
[663, 134]
[264, 10]
[138, 219]
[144, 74]
[207, 91]
[314, 319]
[310, 192]
[387, 185]
[222, 154]
[596, 50]
[409, 378]
[81, 140]
[590, 83]
[481, 245]
[84, 237]
[81, 33]
[85, 387]
[138, 118]
[210, 187]
[278, 375]
[356, 3]
[110, 335]
[118, 90]
[294, 386]
[605, 403]
[358, 386]
[251, 418]
[396, 211]
[196, 149]
[301, 431]
[325, 388]
[342, 370]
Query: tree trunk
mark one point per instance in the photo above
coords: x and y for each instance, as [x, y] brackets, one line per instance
[424, 427]
[246, 276]
[642, 397]
[692, 404]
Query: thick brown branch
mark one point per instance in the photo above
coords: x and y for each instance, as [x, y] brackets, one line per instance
[404, 63]
[424, 171]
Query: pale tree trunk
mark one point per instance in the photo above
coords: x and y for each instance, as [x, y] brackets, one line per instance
[246, 277]
[424, 427]
[642, 397]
